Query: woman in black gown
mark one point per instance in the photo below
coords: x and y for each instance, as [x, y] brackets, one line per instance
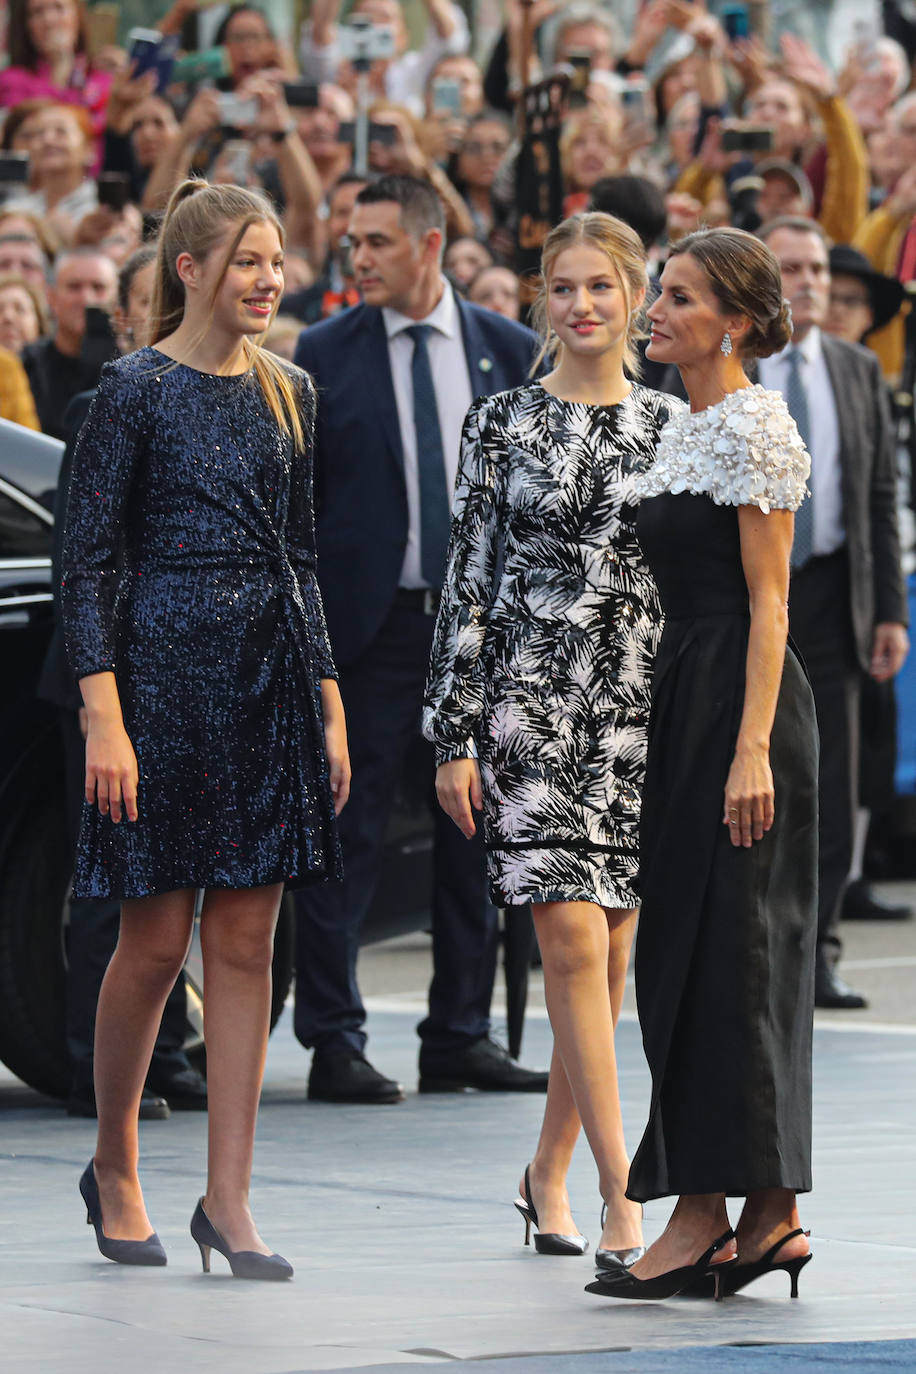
[216, 751]
[725, 952]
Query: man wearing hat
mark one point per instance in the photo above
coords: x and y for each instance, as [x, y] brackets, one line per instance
[861, 298]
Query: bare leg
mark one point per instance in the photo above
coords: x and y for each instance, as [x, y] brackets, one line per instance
[550, 1164]
[581, 953]
[697, 1220]
[152, 946]
[767, 1215]
[237, 931]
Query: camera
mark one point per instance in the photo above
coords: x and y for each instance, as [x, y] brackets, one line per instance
[747, 138]
[363, 42]
[385, 134]
[301, 95]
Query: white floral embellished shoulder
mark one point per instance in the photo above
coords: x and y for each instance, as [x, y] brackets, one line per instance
[745, 451]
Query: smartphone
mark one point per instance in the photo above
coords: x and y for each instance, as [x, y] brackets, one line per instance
[102, 27]
[581, 64]
[210, 65]
[235, 113]
[751, 139]
[236, 158]
[446, 95]
[99, 344]
[736, 21]
[633, 96]
[151, 51]
[14, 169]
[301, 95]
[386, 134]
[113, 189]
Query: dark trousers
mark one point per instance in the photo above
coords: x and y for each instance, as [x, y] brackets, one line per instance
[820, 624]
[93, 935]
[382, 696]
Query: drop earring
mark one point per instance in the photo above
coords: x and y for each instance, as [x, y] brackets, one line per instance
[726, 344]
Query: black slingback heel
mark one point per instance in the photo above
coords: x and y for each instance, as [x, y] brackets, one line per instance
[743, 1274]
[620, 1283]
[551, 1242]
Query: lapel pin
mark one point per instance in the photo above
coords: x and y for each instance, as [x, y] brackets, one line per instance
[485, 365]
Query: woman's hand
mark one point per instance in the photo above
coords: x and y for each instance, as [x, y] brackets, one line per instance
[335, 743]
[458, 789]
[749, 797]
[111, 768]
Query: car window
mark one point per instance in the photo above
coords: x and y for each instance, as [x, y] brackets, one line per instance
[22, 534]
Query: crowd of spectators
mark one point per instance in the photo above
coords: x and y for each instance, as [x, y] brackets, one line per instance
[725, 128]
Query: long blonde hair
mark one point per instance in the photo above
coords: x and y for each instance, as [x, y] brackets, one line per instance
[195, 221]
[623, 247]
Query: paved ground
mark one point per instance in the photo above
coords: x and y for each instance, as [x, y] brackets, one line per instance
[406, 1247]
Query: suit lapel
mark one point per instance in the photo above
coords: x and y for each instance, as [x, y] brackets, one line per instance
[845, 393]
[484, 370]
[374, 380]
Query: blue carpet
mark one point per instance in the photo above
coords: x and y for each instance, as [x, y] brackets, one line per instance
[863, 1357]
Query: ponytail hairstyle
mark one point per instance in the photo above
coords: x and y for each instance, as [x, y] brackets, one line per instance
[627, 258]
[196, 220]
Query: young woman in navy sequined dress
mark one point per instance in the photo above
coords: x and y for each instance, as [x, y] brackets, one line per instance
[216, 753]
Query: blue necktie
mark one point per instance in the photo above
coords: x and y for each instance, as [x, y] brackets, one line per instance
[435, 506]
[797, 401]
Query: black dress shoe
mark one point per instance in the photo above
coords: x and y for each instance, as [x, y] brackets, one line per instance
[483, 1065]
[831, 991]
[861, 904]
[81, 1102]
[185, 1091]
[347, 1076]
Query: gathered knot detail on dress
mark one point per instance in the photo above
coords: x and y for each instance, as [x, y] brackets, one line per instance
[745, 451]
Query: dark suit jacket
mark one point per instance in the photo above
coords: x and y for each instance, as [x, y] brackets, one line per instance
[877, 589]
[360, 492]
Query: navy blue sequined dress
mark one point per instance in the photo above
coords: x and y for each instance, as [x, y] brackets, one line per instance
[189, 572]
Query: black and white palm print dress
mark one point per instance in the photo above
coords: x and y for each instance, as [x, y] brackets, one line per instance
[547, 630]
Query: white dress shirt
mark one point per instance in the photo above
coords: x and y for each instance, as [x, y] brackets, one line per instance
[824, 437]
[452, 384]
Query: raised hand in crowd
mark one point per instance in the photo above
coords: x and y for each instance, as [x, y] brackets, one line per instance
[801, 64]
[127, 94]
[650, 26]
[752, 60]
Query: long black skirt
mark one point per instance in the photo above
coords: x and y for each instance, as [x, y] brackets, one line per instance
[725, 950]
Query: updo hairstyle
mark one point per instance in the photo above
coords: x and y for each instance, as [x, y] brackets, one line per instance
[623, 248]
[745, 278]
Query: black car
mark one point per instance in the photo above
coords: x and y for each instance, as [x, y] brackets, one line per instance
[35, 861]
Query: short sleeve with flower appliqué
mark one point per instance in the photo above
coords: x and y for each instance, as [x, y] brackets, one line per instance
[745, 451]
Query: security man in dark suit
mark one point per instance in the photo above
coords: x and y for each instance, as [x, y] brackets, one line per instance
[395, 377]
[847, 600]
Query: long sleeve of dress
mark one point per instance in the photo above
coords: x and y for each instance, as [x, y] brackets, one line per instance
[455, 687]
[300, 543]
[105, 459]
